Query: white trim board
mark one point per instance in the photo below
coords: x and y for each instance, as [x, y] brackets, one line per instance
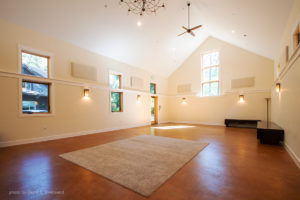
[200, 123]
[292, 154]
[75, 83]
[67, 135]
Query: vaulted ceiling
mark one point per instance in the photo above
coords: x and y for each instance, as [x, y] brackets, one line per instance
[255, 25]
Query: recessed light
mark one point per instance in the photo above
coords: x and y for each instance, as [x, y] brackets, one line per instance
[233, 31]
[139, 23]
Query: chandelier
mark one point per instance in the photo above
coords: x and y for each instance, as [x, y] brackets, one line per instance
[142, 7]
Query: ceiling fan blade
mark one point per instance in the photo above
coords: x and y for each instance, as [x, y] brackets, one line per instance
[181, 34]
[193, 34]
[196, 27]
[184, 28]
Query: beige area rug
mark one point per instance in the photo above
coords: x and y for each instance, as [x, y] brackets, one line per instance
[141, 163]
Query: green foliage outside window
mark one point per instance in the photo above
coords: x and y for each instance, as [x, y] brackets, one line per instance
[34, 65]
[152, 109]
[114, 81]
[152, 88]
[116, 102]
[35, 97]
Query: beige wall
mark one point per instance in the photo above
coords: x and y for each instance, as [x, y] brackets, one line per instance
[73, 113]
[213, 110]
[285, 105]
[235, 63]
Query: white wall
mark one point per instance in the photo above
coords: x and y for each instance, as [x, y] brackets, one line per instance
[73, 113]
[285, 105]
[235, 63]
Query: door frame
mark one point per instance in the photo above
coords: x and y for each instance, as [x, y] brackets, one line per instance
[155, 110]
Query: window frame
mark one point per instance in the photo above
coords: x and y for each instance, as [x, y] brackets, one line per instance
[120, 80]
[294, 43]
[154, 88]
[39, 55]
[49, 95]
[116, 73]
[50, 98]
[121, 101]
[36, 79]
[116, 90]
[209, 67]
[35, 52]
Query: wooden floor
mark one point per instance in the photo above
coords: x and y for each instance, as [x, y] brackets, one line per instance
[233, 166]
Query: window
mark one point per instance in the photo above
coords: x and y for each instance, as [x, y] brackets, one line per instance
[116, 101]
[296, 37]
[35, 65]
[35, 97]
[210, 74]
[115, 81]
[35, 93]
[116, 97]
[152, 88]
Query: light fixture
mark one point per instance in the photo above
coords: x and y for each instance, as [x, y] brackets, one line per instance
[86, 92]
[138, 98]
[233, 31]
[139, 23]
[143, 7]
[241, 98]
[184, 100]
[277, 87]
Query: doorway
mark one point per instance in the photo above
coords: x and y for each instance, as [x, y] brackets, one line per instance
[154, 117]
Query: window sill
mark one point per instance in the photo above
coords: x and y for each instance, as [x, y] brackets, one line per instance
[116, 112]
[37, 115]
[208, 97]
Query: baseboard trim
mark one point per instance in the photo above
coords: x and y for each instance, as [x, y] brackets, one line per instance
[200, 123]
[67, 135]
[292, 154]
[163, 122]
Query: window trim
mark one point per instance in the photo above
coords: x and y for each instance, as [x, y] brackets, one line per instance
[112, 72]
[36, 79]
[49, 95]
[155, 92]
[35, 52]
[121, 101]
[50, 99]
[296, 28]
[209, 67]
[120, 80]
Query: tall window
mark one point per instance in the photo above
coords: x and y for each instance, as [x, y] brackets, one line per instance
[152, 88]
[210, 74]
[116, 101]
[116, 97]
[35, 94]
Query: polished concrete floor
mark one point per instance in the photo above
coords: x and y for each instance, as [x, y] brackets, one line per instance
[233, 166]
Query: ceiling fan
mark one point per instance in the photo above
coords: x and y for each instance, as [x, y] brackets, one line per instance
[189, 30]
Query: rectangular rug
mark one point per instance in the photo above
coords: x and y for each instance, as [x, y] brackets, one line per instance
[142, 163]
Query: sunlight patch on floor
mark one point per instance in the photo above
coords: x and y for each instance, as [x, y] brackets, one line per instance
[172, 127]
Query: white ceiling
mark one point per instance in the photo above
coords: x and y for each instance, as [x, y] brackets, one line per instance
[153, 46]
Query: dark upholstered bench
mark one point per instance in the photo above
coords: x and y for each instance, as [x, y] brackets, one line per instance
[269, 133]
[241, 123]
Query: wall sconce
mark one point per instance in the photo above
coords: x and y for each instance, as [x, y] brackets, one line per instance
[184, 100]
[241, 98]
[86, 92]
[277, 87]
[138, 97]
